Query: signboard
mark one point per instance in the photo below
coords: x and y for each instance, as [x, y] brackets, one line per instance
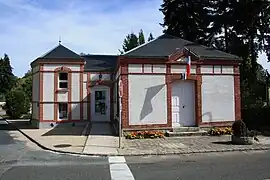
[120, 84]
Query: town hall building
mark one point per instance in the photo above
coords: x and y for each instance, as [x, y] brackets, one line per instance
[146, 87]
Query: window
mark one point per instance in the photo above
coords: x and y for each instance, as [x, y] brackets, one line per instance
[63, 80]
[62, 110]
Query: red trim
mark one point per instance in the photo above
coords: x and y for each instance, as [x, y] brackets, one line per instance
[237, 94]
[89, 98]
[41, 67]
[81, 93]
[125, 97]
[102, 72]
[198, 96]
[56, 74]
[221, 123]
[168, 81]
[61, 90]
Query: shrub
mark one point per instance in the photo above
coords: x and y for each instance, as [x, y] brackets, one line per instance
[144, 134]
[17, 103]
[239, 128]
[220, 131]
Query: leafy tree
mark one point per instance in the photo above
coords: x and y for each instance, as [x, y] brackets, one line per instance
[186, 18]
[132, 40]
[7, 78]
[237, 27]
[17, 103]
[150, 37]
[141, 37]
[25, 84]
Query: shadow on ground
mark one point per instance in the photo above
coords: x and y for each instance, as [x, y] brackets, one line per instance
[15, 124]
[223, 142]
[67, 129]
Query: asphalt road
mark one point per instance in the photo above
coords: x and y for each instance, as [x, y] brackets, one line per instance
[22, 162]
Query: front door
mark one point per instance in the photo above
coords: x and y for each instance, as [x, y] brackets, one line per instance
[100, 107]
[183, 103]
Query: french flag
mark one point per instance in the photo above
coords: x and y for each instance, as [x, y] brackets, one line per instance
[188, 65]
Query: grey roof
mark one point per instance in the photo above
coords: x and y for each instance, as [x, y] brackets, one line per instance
[60, 52]
[165, 45]
[100, 62]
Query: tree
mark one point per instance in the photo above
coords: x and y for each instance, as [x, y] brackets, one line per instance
[132, 40]
[150, 37]
[187, 19]
[7, 78]
[25, 84]
[141, 37]
[237, 27]
[17, 103]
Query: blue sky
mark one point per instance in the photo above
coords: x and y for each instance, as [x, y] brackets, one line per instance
[30, 28]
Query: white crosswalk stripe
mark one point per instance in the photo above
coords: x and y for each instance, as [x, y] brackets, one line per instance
[119, 169]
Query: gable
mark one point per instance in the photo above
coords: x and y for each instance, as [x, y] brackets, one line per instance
[166, 45]
[60, 52]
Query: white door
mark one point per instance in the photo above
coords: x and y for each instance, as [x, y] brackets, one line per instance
[100, 104]
[183, 105]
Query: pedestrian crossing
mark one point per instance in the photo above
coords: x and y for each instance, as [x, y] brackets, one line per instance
[119, 169]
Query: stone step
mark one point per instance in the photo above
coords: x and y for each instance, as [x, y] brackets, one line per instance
[196, 133]
[186, 129]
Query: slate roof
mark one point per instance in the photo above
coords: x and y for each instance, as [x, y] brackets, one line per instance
[165, 45]
[100, 62]
[60, 52]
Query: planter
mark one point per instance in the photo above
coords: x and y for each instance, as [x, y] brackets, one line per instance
[242, 140]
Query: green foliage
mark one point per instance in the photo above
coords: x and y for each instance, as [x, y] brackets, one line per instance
[256, 118]
[7, 78]
[132, 40]
[25, 84]
[239, 128]
[141, 37]
[150, 37]
[17, 103]
[237, 27]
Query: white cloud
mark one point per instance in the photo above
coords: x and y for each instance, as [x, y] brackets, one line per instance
[84, 27]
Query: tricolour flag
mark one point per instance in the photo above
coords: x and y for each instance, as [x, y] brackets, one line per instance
[188, 65]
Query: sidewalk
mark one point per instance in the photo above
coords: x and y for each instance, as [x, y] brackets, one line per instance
[60, 138]
[188, 144]
[101, 142]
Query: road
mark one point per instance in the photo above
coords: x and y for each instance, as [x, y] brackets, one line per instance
[22, 160]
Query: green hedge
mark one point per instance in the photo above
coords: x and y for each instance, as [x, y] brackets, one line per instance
[256, 118]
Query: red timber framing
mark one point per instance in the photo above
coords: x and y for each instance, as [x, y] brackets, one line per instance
[170, 77]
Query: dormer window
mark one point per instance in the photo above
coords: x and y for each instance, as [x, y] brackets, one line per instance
[63, 80]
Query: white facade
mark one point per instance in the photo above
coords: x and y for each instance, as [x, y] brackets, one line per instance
[147, 99]
[218, 98]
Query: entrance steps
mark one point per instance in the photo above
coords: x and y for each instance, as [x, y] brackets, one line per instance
[187, 131]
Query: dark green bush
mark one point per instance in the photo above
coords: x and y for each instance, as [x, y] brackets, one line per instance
[17, 103]
[239, 128]
[256, 118]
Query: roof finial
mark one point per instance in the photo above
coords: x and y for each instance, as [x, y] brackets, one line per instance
[60, 40]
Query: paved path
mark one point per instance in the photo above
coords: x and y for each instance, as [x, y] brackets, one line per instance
[22, 160]
[101, 140]
[178, 145]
